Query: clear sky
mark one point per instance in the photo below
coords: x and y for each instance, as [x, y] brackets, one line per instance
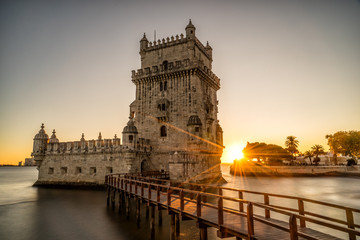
[287, 67]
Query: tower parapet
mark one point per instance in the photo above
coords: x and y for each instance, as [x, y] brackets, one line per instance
[173, 49]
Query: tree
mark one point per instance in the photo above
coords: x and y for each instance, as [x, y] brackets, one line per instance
[292, 144]
[335, 141]
[351, 146]
[346, 143]
[270, 152]
[317, 150]
[309, 154]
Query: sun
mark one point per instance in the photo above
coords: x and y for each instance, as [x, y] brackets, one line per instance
[233, 152]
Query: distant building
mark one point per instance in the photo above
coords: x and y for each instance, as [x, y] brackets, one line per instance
[173, 122]
[29, 162]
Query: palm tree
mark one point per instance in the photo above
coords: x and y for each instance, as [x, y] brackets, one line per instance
[317, 150]
[309, 154]
[292, 144]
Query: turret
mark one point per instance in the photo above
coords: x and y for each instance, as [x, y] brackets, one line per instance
[40, 141]
[53, 138]
[190, 31]
[130, 135]
[208, 49]
[143, 43]
[219, 134]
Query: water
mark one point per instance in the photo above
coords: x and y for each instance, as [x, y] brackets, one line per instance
[31, 213]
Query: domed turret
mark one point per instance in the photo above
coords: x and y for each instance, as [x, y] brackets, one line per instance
[208, 49]
[82, 139]
[130, 127]
[190, 30]
[42, 134]
[143, 43]
[219, 134]
[40, 141]
[129, 134]
[53, 138]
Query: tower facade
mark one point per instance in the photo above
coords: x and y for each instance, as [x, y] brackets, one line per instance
[176, 105]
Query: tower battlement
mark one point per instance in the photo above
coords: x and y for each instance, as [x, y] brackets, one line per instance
[176, 48]
[172, 41]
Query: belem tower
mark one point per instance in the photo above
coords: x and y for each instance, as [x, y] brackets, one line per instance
[173, 124]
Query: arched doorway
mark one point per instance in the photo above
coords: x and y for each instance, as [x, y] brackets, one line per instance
[144, 166]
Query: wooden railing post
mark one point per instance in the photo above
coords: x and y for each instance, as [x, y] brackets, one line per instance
[125, 182]
[293, 228]
[220, 211]
[350, 223]
[149, 192]
[241, 204]
[130, 181]
[198, 205]
[266, 202]
[182, 200]
[301, 212]
[203, 189]
[191, 193]
[158, 193]
[169, 196]
[250, 219]
[142, 189]
[136, 189]
[122, 184]
[108, 196]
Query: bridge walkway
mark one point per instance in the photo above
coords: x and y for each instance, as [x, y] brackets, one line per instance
[209, 211]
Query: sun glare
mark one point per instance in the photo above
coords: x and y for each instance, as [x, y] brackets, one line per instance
[233, 152]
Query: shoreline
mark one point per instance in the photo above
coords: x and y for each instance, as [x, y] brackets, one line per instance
[295, 171]
[70, 185]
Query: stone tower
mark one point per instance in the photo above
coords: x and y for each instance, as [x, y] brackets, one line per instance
[173, 123]
[176, 105]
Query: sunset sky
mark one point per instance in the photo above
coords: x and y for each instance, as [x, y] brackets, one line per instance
[287, 67]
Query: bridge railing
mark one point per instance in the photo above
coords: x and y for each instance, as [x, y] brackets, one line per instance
[181, 191]
[268, 200]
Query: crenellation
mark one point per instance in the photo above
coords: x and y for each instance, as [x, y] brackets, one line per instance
[161, 43]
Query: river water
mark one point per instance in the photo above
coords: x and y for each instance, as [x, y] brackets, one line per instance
[32, 213]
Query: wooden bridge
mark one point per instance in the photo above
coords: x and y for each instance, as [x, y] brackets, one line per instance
[232, 216]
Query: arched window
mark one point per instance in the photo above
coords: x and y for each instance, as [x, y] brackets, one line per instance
[165, 85]
[163, 131]
[131, 138]
[161, 86]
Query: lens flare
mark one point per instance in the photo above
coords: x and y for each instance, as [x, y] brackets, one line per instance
[233, 152]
